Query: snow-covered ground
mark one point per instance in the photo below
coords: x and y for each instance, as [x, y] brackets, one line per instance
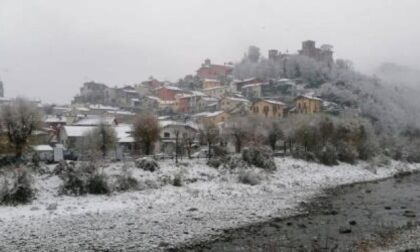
[211, 200]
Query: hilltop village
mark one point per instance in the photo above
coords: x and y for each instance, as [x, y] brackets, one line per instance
[211, 96]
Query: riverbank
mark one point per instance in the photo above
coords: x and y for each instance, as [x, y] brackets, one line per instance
[157, 219]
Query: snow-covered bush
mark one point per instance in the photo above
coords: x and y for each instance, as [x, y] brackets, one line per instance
[98, 184]
[125, 181]
[346, 153]
[249, 177]
[260, 156]
[215, 162]
[147, 164]
[15, 186]
[83, 178]
[328, 155]
[300, 153]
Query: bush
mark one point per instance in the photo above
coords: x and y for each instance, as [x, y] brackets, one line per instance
[16, 186]
[98, 184]
[300, 153]
[249, 177]
[235, 161]
[214, 162]
[260, 157]
[147, 164]
[82, 179]
[347, 153]
[328, 155]
[125, 181]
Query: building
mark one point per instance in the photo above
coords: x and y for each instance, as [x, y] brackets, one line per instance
[238, 84]
[306, 104]
[269, 109]
[210, 83]
[212, 71]
[252, 90]
[211, 117]
[169, 132]
[215, 91]
[323, 54]
[1, 89]
[233, 105]
[167, 93]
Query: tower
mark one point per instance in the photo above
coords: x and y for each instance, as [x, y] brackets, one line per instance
[1, 89]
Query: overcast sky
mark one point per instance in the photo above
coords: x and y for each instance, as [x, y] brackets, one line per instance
[49, 48]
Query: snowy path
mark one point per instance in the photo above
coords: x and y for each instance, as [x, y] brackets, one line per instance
[157, 219]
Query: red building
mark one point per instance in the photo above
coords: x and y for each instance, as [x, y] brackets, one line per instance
[167, 93]
[211, 71]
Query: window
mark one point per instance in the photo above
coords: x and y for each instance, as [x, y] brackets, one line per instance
[166, 134]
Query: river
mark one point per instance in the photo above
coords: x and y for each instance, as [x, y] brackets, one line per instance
[341, 219]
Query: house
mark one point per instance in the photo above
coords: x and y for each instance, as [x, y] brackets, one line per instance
[94, 120]
[307, 104]
[44, 152]
[233, 105]
[169, 132]
[125, 139]
[269, 109]
[210, 83]
[71, 135]
[252, 90]
[218, 91]
[212, 71]
[238, 84]
[211, 117]
[167, 93]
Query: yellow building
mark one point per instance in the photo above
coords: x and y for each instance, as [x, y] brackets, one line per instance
[211, 117]
[305, 104]
[268, 108]
[231, 104]
[210, 83]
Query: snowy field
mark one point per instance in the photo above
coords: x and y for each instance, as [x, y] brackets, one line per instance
[154, 219]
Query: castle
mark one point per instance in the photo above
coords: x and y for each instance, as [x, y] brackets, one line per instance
[322, 54]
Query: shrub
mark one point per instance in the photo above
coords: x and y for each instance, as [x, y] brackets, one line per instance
[98, 184]
[249, 177]
[126, 182]
[260, 157]
[328, 155]
[346, 153]
[147, 164]
[16, 186]
[300, 153]
[81, 179]
[214, 162]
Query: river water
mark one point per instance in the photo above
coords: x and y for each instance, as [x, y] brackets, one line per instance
[339, 220]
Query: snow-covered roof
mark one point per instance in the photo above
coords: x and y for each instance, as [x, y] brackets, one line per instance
[198, 93]
[42, 147]
[135, 99]
[211, 80]
[153, 98]
[209, 114]
[95, 120]
[55, 119]
[308, 97]
[166, 123]
[102, 107]
[170, 88]
[121, 112]
[130, 91]
[77, 131]
[214, 88]
[252, 85]
[236, 99]
[275, 102]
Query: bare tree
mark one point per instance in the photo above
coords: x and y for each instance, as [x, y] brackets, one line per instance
[188, 141]
[21, 118]
[146, 132]
[211, 135]
[275, 133]
[238, 129]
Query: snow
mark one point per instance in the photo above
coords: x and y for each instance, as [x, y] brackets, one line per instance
[42, 148]
[124, 133]
[77, 131]
[275, 102]
[162, 215]
[208, 114]
[94, 121]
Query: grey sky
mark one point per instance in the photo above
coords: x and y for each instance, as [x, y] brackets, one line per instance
[49, 48]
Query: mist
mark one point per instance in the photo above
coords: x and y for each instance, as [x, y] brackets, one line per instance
[49, 48]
